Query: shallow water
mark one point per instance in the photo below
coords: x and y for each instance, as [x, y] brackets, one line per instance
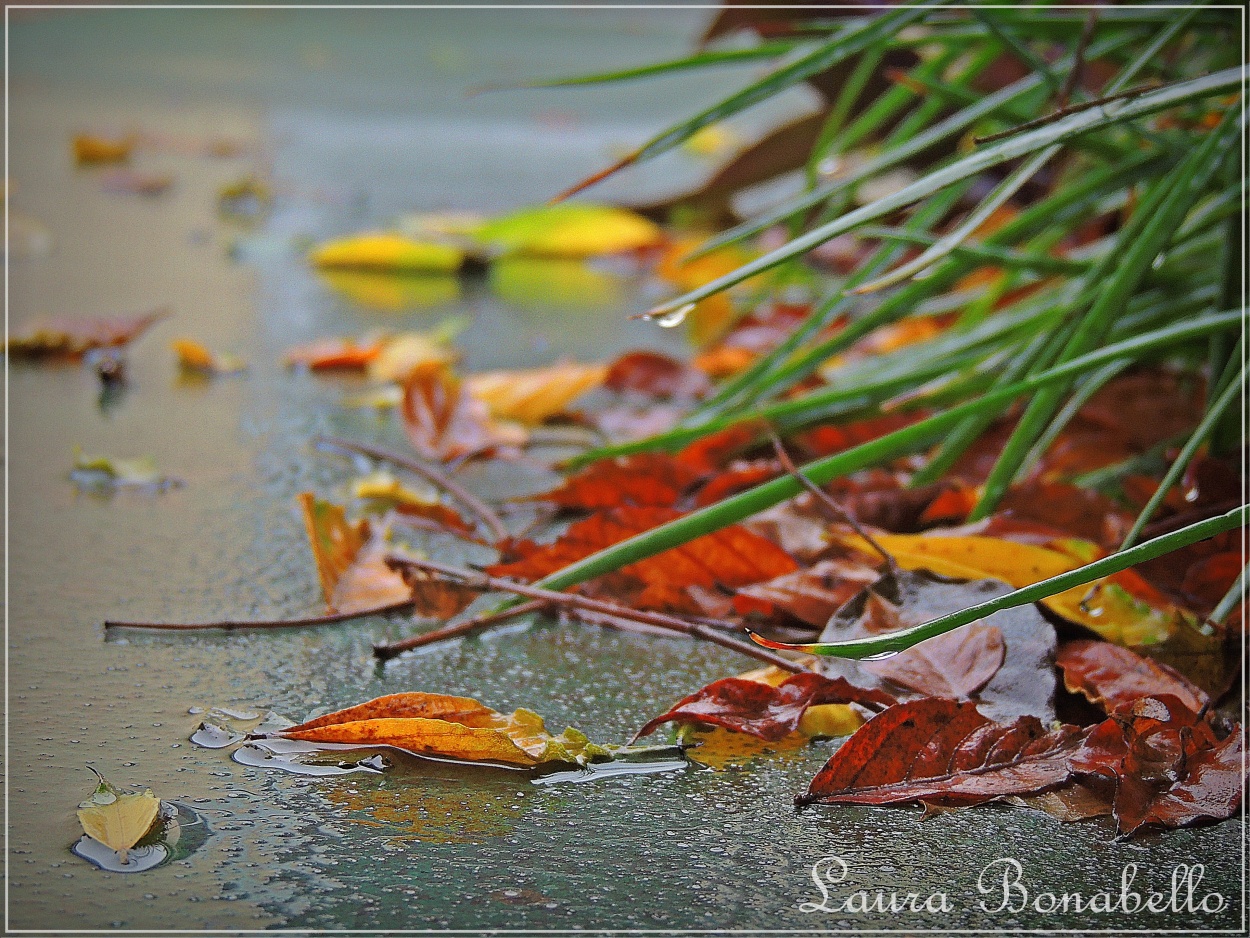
[359, 116]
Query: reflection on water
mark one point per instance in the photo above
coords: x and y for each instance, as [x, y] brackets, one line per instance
[392, 293]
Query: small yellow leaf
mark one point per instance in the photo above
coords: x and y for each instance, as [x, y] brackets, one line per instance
[712, 140]
[117, 820]
[91, 150]
[534, 395]
[387, 251]
[403, 353]
[194, 356]
[569, 230]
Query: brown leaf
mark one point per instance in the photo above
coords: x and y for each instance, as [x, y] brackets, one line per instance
[443, 421]
[351, 561]
[955, 665]
[761, 710]
[655, 375]
[433, 597]
[653, 479]
[811, 595]
[943, 751]
[728, 558]
[1110, 676]
[72, 338]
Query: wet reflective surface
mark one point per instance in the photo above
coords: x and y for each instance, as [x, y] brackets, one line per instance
[358, 117]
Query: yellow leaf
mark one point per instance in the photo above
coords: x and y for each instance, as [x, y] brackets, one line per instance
[532, 396]
[117, 820]
[350, 561]
[382, 485]
[818, 720]
[195, 357]
[387, 251]
[1102, 606]
[712, 140]
[569, 230]
[445, 726]
[405, 352]
[91, 150]
[719, 748]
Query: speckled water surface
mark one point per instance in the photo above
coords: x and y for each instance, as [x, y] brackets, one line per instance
[357, 116]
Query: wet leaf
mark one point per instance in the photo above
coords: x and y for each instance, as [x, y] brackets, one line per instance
[391, 292]
[435, 597]
[382, 488]
[725, 559]
[942, 751]
[534, 395]
[762, 710]
[652, 479]
[655, 375]
[194, 356]
[350, 559]
[1023, 686]
[955, 665]
[73, 337]
[443, 421]
[118, 820]
[96, 471]
[1166, 763]
[92, 150]
[448, 727]
[335, 354]
[386, 251]
[1111, 676]
[400, 354]
[812, 594]
[568, 230]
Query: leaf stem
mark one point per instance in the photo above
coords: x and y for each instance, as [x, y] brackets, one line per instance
[230, 625]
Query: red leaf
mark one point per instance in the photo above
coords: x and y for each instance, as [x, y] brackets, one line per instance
[707, 455]
[1212, 791]
[652, 479]
[812, 595]
[761, 710]
[738, 477]
[333, 355]
[730, 557]
[656, 375]
[955, 665]
[939, 750]
[1110, 676]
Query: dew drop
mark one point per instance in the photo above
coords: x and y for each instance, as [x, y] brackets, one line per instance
[673, 318]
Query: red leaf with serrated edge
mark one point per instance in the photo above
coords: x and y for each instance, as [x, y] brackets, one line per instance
[1110, 676]
[655, 375]
[730, 557]
[761, 710]
[940, 751]
[954, 665]
[649, 479]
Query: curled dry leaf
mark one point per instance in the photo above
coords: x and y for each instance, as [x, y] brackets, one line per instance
[728, 558]
[350, 560]
[945, 752]
[444, 422]
[762, 710]
[73, 337]
[1111, 676]
[118, 820]
[449, 727]
[956, 665]
[534, 395]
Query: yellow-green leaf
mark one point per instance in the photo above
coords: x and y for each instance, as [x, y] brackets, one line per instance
[569, 230]
[118, 820]
[387, 251]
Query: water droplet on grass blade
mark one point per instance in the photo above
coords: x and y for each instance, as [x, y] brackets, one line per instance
[670, 319]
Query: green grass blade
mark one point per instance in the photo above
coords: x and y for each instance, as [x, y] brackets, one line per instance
[971, 165]
[894, 642]
[767, 50]
[743, 505]
[983, 252]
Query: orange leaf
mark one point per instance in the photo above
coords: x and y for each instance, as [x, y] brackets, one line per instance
[334, 354]
[443, 421]
[534, 395]
[350, 561]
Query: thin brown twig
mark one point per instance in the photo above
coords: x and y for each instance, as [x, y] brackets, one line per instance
[486, 583]
[1066, 111]
[824, 498]
[1078, 60]
[434, 476]
[388, 650]
[232, 624]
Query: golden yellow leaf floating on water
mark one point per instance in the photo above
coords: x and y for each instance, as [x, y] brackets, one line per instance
[387, 251]
[568, 230]
[118, 820]
[450, 727]
[534, 395]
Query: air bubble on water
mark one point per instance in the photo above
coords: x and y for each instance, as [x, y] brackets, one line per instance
[673, 318]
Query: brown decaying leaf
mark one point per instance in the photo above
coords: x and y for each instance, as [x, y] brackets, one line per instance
[943, 751]
[728, 558]
[1110, 676]
[433, 597]
[812, 594]
[761, 710]
[1166, 763]
[444, 422]
[69, 337]
[655, 375]
[351, 561]
[955, 665]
